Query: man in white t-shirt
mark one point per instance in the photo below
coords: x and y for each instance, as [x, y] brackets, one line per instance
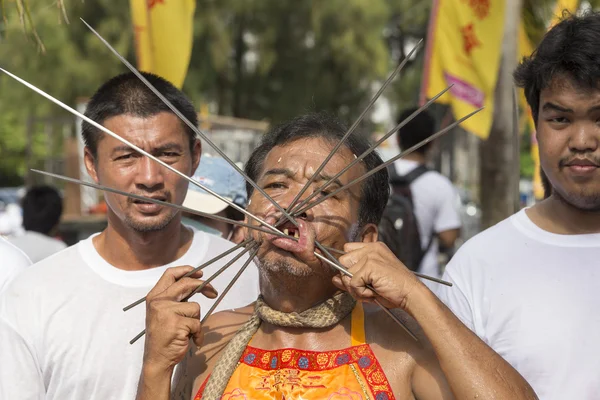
[433, 195]
[13, 262]
[64, 332]
[529, 285]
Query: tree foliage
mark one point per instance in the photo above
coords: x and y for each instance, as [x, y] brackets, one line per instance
[257, 59]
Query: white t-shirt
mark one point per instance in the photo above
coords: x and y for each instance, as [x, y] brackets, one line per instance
[37, 246]
[12, 262]
[64, 334]
[533, 296]
[434, 199]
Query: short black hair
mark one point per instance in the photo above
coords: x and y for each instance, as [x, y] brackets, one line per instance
[127, 94]
[375, 189]
[421, 127]
[42, 208]
[570, 48]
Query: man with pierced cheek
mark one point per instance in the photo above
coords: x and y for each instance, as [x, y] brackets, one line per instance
[312, 333]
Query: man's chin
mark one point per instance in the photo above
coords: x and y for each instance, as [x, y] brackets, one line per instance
[283, 262]
[148, 224]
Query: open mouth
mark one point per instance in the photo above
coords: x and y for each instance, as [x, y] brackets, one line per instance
[291, 231]
[295, 236]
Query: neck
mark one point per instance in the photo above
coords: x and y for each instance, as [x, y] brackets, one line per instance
[289, 293]
[131, 250]
[416, 156]
[555, 215]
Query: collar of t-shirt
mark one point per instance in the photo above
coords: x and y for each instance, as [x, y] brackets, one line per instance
[144, 278]
[524, 224]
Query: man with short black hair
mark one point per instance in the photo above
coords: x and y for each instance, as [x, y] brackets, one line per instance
[312, 334]
[64, 332]
[528, 286]
[42, 208]
[434, 197]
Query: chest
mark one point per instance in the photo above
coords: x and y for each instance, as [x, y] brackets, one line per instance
[85, 348]
[543, 318]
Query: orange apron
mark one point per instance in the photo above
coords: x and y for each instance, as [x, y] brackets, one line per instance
[352, 373]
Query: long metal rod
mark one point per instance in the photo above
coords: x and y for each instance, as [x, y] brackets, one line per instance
[326, 251]
[219, 271]
[136, 148]
[198, 132]
[199, 288]
[203, 136]
[194, 128]
[354, 125]
[230, 285]
[336, 264]
[191, 211]
[385, 164]
[162, 203]
[200, 267]
[370, 149]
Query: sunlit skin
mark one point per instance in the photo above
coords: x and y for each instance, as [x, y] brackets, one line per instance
[293, 280]
[568, 132]
[120, 167]
[286, 169]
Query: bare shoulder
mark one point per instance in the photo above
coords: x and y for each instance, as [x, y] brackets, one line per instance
[218, 329]
[397, 352]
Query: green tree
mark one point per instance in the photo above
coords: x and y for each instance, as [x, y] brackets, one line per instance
[72, 66]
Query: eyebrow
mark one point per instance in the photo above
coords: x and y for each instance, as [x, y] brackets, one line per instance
[554, 107]
[290, 175]
[551, 106]
[155, 150]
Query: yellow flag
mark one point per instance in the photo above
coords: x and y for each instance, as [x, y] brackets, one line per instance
[163, 37]
[525, 50]
[464, 49]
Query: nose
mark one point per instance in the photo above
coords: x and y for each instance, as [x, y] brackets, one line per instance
[150, 174]
[585, 138]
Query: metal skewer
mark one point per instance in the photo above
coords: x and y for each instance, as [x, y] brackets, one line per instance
[160, 202]
[344, 271]
[206, 264]
[199, 288]
[354, 125]
[385, 164]
[230, 285]
[200, 213]
[369, 150]
[136, 148]
[194, 128]
[239, 170]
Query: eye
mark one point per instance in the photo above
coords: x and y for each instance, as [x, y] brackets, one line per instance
[559, 120]
[124, 157]
[275, 185]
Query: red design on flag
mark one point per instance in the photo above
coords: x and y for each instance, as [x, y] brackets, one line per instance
[481, 8]
[152, 3]
[470, 40]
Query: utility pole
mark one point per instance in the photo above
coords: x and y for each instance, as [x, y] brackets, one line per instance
[499, 154]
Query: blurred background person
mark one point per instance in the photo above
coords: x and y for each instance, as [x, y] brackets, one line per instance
[42, 208]
[13, 262]
[433, 195]
[217, 175]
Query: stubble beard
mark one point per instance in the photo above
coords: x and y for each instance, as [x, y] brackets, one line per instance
[582, 201]
[151, 226]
